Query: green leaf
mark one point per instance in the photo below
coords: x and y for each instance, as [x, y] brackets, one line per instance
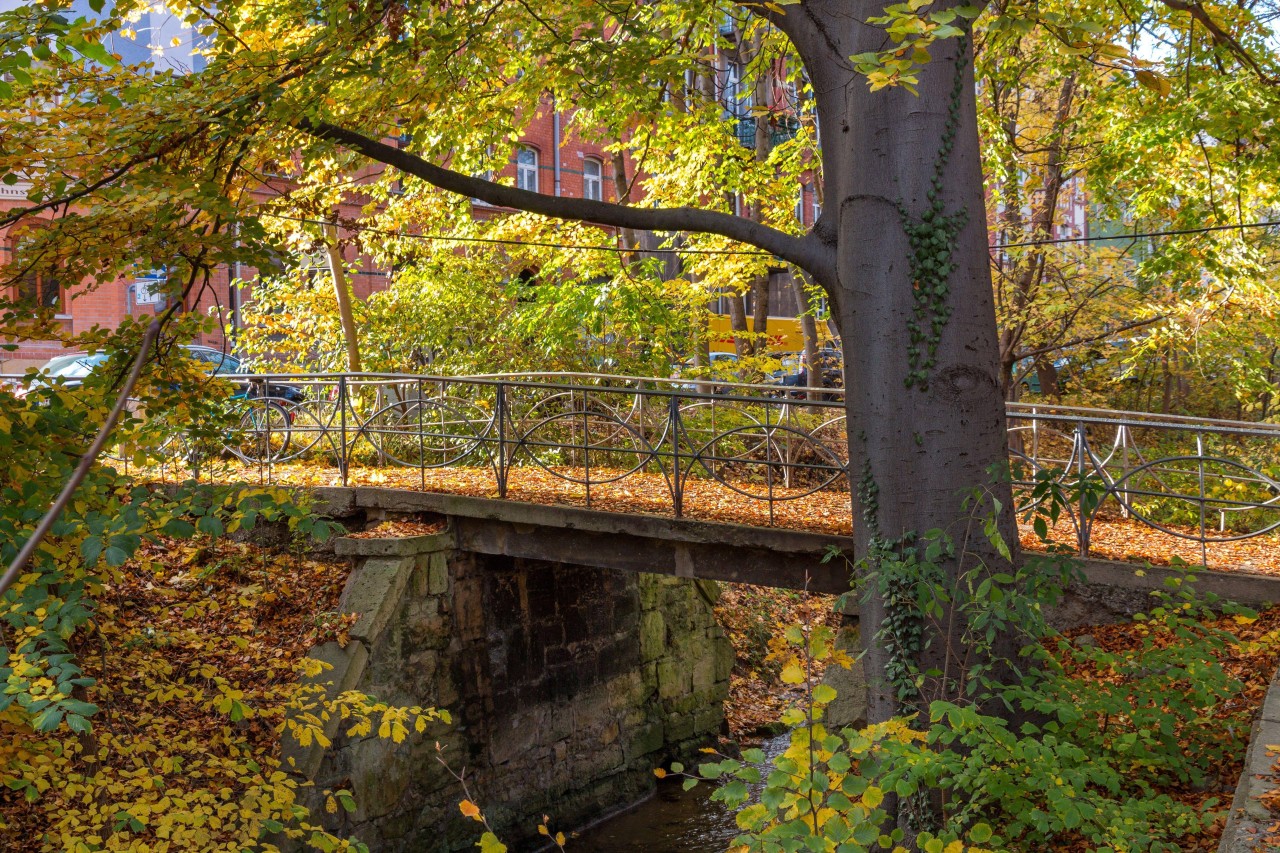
[209, 524]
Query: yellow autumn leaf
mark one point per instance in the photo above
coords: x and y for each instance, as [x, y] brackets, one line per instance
[489, 843]
[872, 797]
[792, 674]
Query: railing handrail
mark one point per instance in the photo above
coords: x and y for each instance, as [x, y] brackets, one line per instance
[765, 442]
[679, 387]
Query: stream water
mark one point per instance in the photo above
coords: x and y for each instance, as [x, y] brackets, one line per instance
[671, 821]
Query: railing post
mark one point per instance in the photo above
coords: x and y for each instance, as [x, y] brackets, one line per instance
[1204, 545]
[342, 419]
[673, 430]
[768, 461]
[586, 447]
[500, 412]
[1123, 437]
[422, 441]
[1086, 516]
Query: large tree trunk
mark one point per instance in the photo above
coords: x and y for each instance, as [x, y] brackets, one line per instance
[925, 417]
[916, 447]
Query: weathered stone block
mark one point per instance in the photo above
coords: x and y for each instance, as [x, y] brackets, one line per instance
[704, 672]
[401, 546]
[437, 574]
[673, 679]
[850, 705]
[378, 780]
[707, 721]
[374, 591]
[1271, 706]
[346, 667]
[653, 636]
[647, 740]
[679, 728]
[650, 592]
[725, 658]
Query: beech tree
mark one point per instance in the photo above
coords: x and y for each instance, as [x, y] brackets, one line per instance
[148, 162]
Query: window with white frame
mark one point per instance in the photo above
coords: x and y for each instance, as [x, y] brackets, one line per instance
[527, 169]
[800, 205]
[737, 95]
[592, 179]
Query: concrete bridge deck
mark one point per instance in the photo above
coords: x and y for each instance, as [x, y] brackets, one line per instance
[689, 548]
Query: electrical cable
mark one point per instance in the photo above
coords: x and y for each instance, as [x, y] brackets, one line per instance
[1137, 236]
[586, 247]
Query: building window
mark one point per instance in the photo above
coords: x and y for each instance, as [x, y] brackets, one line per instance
[37, 289]
[527, 169]
[592, 185]
[43, 291]
[800, 206]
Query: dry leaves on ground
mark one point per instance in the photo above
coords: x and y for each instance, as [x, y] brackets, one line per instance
[400, 528]
[196, 652]
[755, 618]
[827, 511]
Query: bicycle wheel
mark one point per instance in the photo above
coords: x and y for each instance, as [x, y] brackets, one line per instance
[264, 434]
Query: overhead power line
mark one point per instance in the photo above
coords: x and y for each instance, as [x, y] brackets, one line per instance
[1138, 236]
[499, 241]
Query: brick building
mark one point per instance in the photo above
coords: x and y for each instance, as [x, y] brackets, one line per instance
[548, 159]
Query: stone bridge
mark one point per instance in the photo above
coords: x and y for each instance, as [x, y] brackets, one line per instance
[576, 650]
[713, 451]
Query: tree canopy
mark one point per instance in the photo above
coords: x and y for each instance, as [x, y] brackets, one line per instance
[1163, 110]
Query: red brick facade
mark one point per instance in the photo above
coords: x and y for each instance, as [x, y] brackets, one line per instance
[109, 304]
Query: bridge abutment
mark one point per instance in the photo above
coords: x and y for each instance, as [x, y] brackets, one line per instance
[567, 685]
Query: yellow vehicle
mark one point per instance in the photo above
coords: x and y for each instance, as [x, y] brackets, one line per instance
[783, 334]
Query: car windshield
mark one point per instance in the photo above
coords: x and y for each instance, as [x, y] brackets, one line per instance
[55, 366]
[214, 360]
[225, 363]
[75, 366]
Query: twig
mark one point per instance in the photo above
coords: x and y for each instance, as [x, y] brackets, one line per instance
[86, 462]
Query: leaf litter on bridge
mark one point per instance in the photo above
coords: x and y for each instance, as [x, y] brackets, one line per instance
[1111, 537]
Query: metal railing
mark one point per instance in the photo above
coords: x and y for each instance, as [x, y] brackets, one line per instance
[1201, 480]
[1196, 479]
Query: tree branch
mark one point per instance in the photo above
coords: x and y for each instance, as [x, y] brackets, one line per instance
[790, 25]
[86, 462]
[1221, 36]
[1137, 324]
[805, 252]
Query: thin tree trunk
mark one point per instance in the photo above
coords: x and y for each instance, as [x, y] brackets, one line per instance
[622, 193]
[738, 324]
[808, 330]
[760, 315]
[338, 273]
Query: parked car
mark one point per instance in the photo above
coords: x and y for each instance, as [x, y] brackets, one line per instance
[1076, 366]
[723, 367]
[74, 367]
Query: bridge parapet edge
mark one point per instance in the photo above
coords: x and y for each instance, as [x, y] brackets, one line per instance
[1249, 819]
